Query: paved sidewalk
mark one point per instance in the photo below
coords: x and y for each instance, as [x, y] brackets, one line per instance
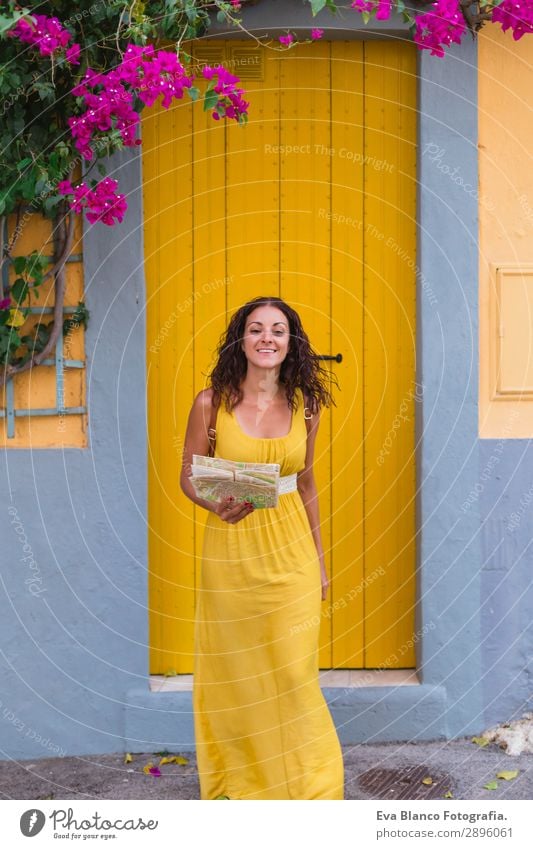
[373, 771]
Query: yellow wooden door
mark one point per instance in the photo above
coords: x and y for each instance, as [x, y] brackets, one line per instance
[313, 200]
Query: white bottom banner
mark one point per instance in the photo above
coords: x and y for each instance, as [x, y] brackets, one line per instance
[275, 825]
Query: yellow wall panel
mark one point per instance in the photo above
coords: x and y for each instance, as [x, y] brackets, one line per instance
[345, 609]
[167, 164]
[37, 388]
[305, 190]
[389, 351]
[253, 189]
[505, 78]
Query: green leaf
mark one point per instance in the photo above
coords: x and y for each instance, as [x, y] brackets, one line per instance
[41, 184]
[19, 264]
[6, 22]
[317, 6]
[45, 90]
[194, 93]
[19, 290]
[50, 204]
[491, 785]
[27, 188]
[14, 339]
[210, 99]
[23, 162]
[365, 16]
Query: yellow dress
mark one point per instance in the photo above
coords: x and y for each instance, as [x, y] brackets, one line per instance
[262, 726]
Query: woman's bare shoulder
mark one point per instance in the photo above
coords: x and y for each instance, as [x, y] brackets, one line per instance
[204, 398]
[201, 404]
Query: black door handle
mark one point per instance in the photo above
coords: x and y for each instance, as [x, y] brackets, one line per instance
[336, 357]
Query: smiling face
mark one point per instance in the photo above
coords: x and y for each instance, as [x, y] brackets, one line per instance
[266, 337]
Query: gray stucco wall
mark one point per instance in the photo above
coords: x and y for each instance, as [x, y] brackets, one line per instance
[74, 639]
[475, 564]
[504, 488]
[74, 658]
[449, 548]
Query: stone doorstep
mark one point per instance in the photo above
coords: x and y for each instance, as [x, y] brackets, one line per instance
[164, 719]
[328, 678]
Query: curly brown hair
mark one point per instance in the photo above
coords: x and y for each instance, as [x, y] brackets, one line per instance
[300, 368]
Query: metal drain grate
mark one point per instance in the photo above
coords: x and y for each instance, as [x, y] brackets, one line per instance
[405, 783]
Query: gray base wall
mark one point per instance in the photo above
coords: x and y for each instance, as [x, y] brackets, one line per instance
[74, 656]
[73, 639]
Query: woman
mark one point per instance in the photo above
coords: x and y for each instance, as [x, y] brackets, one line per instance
[263, 729]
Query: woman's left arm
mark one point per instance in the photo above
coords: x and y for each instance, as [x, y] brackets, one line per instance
[308, 492]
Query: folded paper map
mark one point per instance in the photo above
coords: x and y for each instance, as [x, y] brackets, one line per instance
[214, 478]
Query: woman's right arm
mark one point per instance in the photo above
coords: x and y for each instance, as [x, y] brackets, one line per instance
[196, 442]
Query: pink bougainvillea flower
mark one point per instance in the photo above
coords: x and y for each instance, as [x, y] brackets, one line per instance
[45, 33]
[440, 26]
[316, 33]
[363, 5]
[516, 15]
[108, 99]
[143, 72]
[90, 79]
[150, 769]
[383, 10]
[65, 187]
[286, 39]
[5, 303]
[72, 54]
[230, 103]
[101, 203]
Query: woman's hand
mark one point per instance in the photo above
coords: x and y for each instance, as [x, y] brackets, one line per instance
[232, 512]
[324, 579]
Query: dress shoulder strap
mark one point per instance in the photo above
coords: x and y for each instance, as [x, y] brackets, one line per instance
[308, 415]
[211, 431]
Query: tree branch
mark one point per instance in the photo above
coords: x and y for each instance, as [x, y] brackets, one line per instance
[60, 287]
[65, 250]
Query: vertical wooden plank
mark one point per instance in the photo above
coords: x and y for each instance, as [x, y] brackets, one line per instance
[150, 140]
[209, 237]
[209, 256]
[305, 174]
[252, 163]
[347, 437]
[389, 349]
[177, 281]
[172, 550]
